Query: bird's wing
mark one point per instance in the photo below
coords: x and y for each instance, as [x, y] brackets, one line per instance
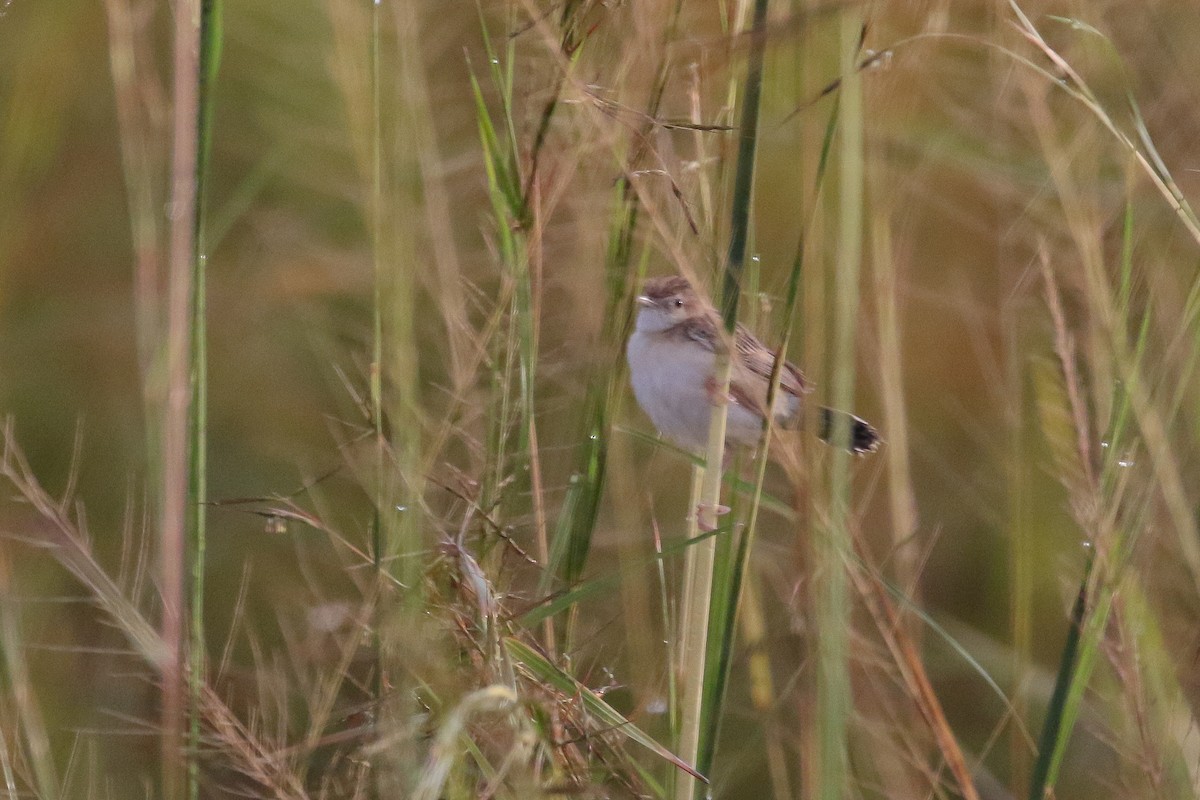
[759, 359]
[748, 390]
[752, 367]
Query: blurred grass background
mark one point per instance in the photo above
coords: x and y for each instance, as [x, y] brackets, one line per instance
[983, 177]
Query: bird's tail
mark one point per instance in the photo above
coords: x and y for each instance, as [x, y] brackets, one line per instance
[842, 429]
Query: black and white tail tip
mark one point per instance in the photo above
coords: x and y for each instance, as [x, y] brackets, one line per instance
[842, 429]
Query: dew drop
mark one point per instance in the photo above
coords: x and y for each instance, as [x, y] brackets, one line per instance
[878, 61]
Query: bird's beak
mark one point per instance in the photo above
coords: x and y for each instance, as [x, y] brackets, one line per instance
[644, 301]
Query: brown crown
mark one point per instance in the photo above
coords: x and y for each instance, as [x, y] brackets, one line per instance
[658, 288]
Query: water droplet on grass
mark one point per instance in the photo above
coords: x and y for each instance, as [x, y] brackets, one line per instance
[878, 61]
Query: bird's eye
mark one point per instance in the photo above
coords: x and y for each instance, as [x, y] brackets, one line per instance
[678, 303]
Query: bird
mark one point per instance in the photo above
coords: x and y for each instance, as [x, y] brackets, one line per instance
[672, 354]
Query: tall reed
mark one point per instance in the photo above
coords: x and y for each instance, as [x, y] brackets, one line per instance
[180, 537]
[834, 701]
[700, 676]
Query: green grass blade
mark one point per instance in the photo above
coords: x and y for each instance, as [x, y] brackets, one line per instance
[506, 156]
[1053, 726]
[832, 608]
[502, 184]
[210, 58]
[744, 175]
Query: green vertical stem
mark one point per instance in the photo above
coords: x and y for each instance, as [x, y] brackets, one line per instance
[696, 604]
[744, 178]
[177, 489]
[834, 548]
[210, 57]
[197, 497]
[1052, 727]
[378, 536]
[699, 682]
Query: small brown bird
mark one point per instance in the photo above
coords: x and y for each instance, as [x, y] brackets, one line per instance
[672, 353]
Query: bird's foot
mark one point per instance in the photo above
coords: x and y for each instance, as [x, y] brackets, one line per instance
[702, 518]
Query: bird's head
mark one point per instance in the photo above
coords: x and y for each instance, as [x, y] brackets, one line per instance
[665, 302]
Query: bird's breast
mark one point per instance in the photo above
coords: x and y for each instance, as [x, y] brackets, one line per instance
[669, 379]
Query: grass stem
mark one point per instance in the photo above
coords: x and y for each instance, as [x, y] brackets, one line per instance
[834, 703]
[699, 720]
[177, 490]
